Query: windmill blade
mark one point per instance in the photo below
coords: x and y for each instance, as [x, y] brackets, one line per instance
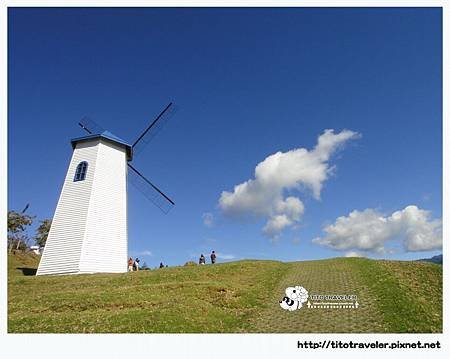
[90, 126]
[149, 190]
[151, 131]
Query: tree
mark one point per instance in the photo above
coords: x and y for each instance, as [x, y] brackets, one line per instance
[190, 263]
[145, 266]
[42, 232]
[17, 225]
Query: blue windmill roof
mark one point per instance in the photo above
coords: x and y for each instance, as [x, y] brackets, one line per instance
[107, 136]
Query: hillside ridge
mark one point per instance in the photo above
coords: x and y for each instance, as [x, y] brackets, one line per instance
[233, 297]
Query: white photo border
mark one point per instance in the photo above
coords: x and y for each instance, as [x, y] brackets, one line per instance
[215, 345]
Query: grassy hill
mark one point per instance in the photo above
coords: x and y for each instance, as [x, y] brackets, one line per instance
[243, 296]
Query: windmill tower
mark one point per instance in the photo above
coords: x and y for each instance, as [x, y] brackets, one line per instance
[89, 231]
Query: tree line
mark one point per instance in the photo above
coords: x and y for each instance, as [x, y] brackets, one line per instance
[18, 225]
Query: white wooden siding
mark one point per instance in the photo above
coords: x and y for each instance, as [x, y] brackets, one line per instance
[105, 243]
[89, 229]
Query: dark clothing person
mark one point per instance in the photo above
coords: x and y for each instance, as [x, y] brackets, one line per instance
[161, 265]
[202, 260]
[213, 257]
[136, 264]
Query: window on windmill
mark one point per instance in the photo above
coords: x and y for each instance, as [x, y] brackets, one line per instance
[80, 173]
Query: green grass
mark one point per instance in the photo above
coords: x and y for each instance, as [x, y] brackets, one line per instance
[237, 297]
[410, 294]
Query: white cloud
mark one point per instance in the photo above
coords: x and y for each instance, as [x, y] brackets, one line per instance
[263, 196]
[145, 252]
[369, 231]
[208, 219]
[224, 256]
[276, 224]
[353, 254]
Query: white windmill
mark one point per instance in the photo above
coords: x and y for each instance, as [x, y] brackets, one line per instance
[89, 228]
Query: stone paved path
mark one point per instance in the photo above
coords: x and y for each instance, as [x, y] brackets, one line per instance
[334, 276]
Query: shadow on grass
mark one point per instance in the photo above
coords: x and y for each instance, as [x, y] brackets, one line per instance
[28, 271]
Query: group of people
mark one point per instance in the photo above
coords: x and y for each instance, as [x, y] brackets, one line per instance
[133, 265]
[202, 259]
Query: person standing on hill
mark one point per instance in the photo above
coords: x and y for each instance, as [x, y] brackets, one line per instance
[130, 264]
[136, 264]
[213, 257]
[202, 259]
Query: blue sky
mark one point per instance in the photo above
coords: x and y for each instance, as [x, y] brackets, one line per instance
[248, 83]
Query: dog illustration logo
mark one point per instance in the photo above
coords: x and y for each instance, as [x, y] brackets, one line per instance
[294, 299]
